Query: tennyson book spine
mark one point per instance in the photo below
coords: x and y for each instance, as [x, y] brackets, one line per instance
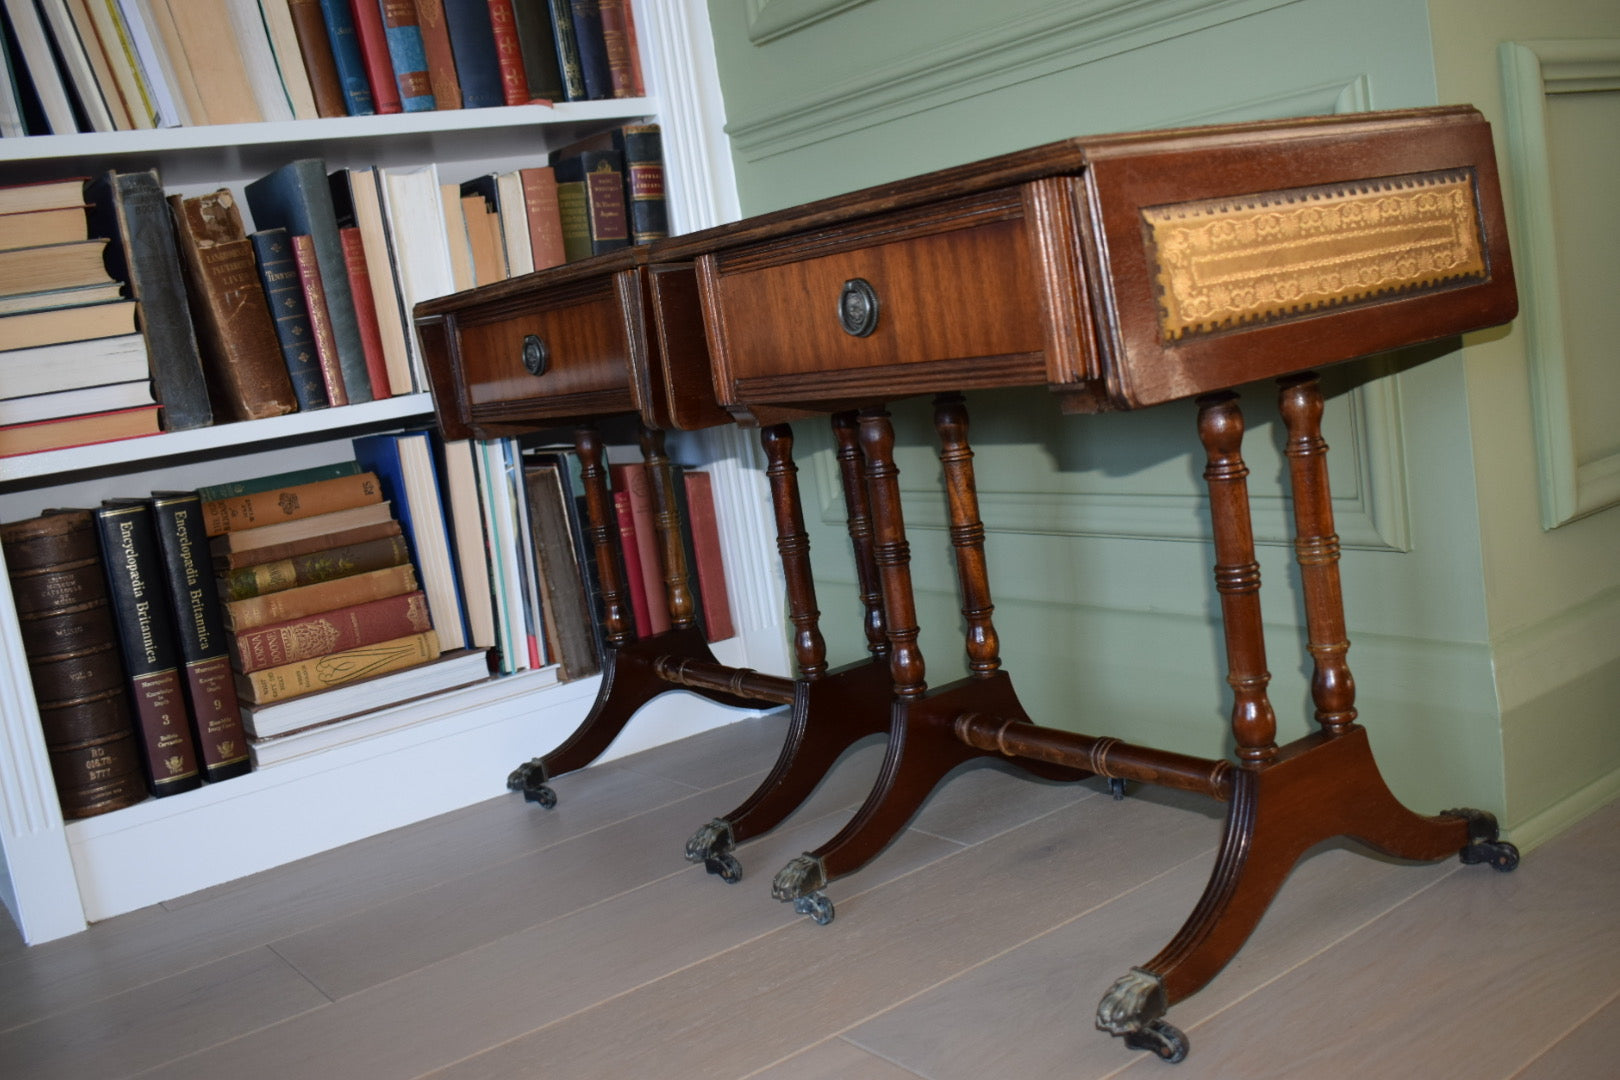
[71, 644]
[216, 716]
[146, 640]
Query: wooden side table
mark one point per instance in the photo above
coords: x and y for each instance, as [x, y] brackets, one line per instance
[1122, 272]
[621, 336]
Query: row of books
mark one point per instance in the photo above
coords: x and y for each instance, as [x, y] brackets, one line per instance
[187, 635]
[116, 65]
[116, 298]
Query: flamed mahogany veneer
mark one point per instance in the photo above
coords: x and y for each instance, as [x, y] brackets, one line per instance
[1121, 272]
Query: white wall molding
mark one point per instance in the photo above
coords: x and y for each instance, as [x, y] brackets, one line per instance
[1531, 72]
[1055, 37]
[769, 19]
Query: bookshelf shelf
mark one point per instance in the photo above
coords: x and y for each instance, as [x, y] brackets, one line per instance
[56, 876]
[155, 449]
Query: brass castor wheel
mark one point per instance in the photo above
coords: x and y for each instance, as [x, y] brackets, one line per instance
[1166, 1041]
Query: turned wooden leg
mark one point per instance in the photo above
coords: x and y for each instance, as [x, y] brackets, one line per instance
[1316, 546]
[793, 545]
[892, 553]
[858, 511]
[666, 517]
[967, 534]
[1237, 578]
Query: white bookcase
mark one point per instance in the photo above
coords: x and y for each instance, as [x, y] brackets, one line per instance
[57, 875]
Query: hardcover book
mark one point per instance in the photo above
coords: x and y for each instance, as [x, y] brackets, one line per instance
[315, 48]
[302, 600]
[320, 319]
[270, 481]
[290, 503]
[472, 39]
[216, 719]
[593, 55]
[308, 568]
[247, 377]
[306, 676]
[590, 195]
[566, 45]
[328, 632]
[631, 477]
[407, 53]
[373, 38]
[319, 525]
[72, 365]
[441, 57]
[71, 644]
[710, 561]
[297, 197]
[346, 57]
[562, 580]
[532, 22]
[146, 640]
[230, 561]
[66, 431]
[284, 296]
[508, 53]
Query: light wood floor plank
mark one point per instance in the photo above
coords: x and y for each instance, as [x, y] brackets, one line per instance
[1587, 1052]
[484, 997]
[798, 986]
[123, 1034]
[1030, 1011]
[1470, 978]
[836, 1059]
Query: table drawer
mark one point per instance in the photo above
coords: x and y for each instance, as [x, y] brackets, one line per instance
[947, 297]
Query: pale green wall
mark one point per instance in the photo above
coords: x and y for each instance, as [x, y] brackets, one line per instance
[1104, 602]
[1552, 595]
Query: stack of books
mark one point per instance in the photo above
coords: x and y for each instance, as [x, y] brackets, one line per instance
[73, 367]
[320, 590]
[167, 63]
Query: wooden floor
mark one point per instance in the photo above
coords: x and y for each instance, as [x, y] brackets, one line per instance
[509, 941]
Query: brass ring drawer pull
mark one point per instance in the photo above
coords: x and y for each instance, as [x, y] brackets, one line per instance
[536, 355]
[858, 307]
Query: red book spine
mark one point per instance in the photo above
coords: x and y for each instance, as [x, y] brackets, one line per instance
[710, 569]
[632, 478]
[373, 37]
[514, 82]
[365, 310]
[440, 57]
[634, 583]
[320, 319]
[330, 631]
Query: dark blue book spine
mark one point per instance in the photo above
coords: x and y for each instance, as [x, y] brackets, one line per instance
[593, 57]
[297, 197]
[284, 293]
[472, 41]
[351, 67]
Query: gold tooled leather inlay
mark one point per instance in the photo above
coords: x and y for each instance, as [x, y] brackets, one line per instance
[1254, 259]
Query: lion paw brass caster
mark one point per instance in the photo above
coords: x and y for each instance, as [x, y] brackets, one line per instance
[711, 846]
[1134, 1008]
[801, 882]
[530, 778]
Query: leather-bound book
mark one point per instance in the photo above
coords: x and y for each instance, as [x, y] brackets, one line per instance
[315, 47]
[373, 38]
[229, 562]
[327, 632]
[441, 57]
[563, 587]
[620, 50]
[592, 45]
[71, 645]
[544, 219]
[300, 601]
[320, 319]
[146, 638]
[567, 46]
[247, 376]
[129, 208]
[407, 53]
[310, 567]
[591, 183]
[271, 507]
[710, 564]
[216, 717]
[351, 65]
[536, 41]
[298, 197]
[643, 148]
[289, 313]
[508, 53]
[472, 38]
[335, 669]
